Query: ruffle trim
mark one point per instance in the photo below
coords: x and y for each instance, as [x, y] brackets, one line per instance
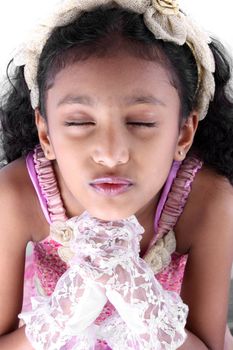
[159, 255]
[178, 195]
[48, 185]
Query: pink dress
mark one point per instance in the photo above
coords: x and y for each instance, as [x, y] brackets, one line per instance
[43, 264]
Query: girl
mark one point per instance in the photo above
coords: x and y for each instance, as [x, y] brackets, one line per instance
[102, 135]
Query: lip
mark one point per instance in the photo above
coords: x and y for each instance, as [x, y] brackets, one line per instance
[111, 186]
[112, 180]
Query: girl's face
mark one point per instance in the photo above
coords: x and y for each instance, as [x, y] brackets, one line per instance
[108, 118]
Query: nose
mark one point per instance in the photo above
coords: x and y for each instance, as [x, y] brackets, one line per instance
[111, 148]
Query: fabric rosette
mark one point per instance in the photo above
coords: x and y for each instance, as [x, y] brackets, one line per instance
[159, 255]
[166, 7]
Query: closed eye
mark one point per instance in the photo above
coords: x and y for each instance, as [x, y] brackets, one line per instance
[143, 124]
[78, 123]
[136, 124]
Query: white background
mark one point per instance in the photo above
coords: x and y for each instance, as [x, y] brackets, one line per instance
[18, 16]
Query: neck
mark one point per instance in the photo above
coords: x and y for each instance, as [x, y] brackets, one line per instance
[146, 218]
[71, 205]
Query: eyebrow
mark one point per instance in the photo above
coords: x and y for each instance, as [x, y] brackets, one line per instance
[76, 99]
[143, 99]
[129, 100]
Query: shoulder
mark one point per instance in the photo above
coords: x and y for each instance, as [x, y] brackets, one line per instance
[18, 201]
[205, 231]
[13, 181]
[211, 187]
[13, 240]
[14, 192]
[21, 221]
[209, 204]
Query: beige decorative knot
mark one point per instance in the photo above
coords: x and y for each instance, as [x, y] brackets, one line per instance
[62, 233]
[159, 255]
[166, 7]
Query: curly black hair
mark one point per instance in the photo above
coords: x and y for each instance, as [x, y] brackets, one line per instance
[97, 33]
[213, 142]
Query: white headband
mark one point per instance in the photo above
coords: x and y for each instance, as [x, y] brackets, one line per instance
[162, 17]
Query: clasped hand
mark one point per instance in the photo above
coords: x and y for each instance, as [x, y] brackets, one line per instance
[105, 265]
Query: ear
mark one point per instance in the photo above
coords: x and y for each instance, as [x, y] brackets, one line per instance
[43, 134]
[186, 136]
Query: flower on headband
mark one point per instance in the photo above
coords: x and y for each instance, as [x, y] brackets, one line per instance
[166, 7]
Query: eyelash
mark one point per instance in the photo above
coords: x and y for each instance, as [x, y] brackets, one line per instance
[137, 124]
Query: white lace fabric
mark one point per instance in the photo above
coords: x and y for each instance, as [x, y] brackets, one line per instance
[70, 312]
[105, 265]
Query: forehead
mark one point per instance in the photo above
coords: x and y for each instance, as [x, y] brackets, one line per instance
[112, 78]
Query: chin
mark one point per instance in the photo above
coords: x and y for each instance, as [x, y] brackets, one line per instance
[110, 215]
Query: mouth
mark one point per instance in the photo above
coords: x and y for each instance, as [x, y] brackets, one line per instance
[111, 186]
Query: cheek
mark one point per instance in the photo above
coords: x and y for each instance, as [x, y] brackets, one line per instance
[162, 146]
[157, 157]
[66, 147]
